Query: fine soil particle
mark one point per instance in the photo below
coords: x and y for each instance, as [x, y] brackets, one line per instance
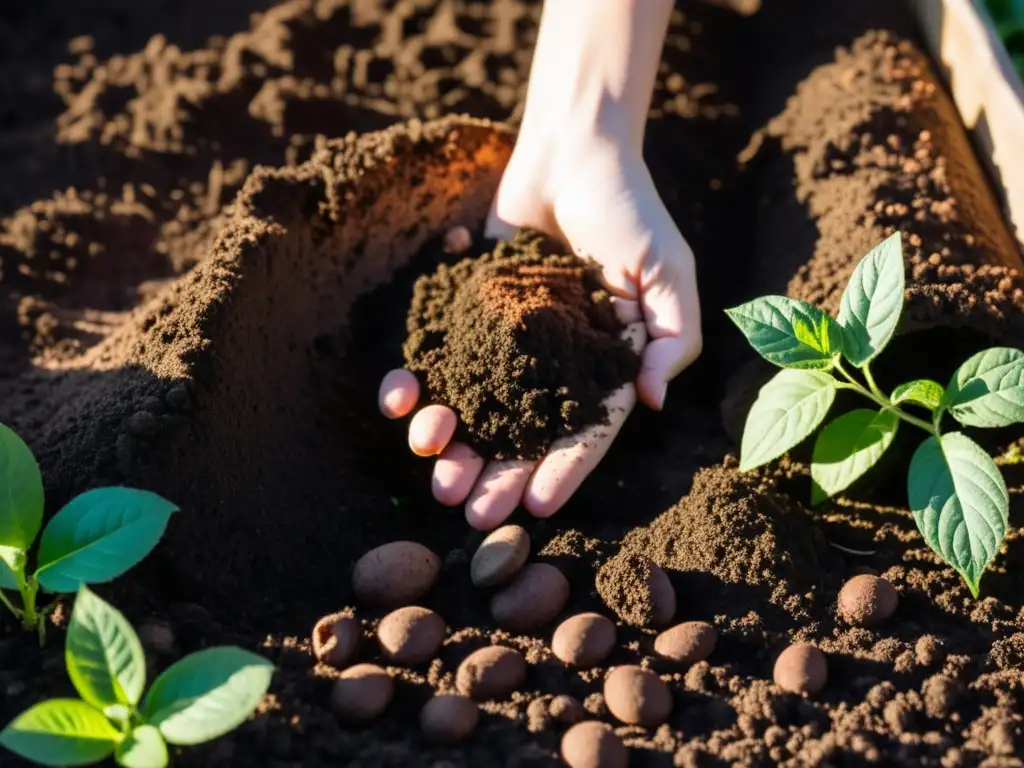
[177, 318]
[522, 342]
[637, 589]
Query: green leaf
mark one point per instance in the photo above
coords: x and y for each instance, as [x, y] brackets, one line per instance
[988, 390]
[207, 694]
[21, 492]
[61, 732]
[99, 535]
[872, 302]
[849, 447]
[12, 562]
[924, 392]
[103, 654]
[788, 333]
[960, 503]
[787, 409]
[144, 747]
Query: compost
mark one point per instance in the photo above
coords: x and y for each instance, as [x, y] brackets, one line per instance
[212, 223]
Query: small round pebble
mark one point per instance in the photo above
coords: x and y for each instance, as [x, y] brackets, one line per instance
[593, 744]
[663, 596]
[336, 639]
[566, 710]
[686, 643]
[537, 596]
[490, 673]
[637, 696]
[867, 600]
[801, 668]
[500, 556]
[457, 240]
[395, 574]
[449, 719]
[411, 635]
[362, 693]
[584, 640]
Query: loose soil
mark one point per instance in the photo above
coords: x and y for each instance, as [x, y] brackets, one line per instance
[207, 259]
[522, 342]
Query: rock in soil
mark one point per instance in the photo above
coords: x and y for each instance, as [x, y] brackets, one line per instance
[686, 643]
[411, 635]
[637, 589]
[637, 696]
[491, 673]
[866, 600]
[801, 668]
[565, 709]
[535, 598]
[593, 745]
[362, 693]
[336, 639]
[584, 640]
[449, 719]
[395, 574]
[522, 343]
[500, 556]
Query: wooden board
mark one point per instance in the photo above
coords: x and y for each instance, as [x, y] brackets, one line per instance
[987, 92]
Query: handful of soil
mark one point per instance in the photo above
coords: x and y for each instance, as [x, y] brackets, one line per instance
[522, 343]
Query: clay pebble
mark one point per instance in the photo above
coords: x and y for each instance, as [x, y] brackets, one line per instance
[866, 600]
[500, 556]
[490, 673]
[336, 639]
[362, 693]
[395, 574]
[637, 589]
[637, 696]
[565, 709]
[584, 640]
[411, 635]
[449, 719]
[592, 744]
[686, 643]
[537, 596]
[801, 668]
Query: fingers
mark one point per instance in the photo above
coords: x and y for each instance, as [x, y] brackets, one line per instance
[497, 493]
[455, 473]
[573, 458]
[399, 391]
[671, 310]
[431, 429]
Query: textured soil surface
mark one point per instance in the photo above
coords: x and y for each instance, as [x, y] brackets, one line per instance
[522, 342]
[206, 261]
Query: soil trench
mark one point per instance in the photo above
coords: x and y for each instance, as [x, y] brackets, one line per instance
[178, 318]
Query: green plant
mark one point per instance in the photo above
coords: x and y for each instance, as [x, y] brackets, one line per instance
[1008, 19]
[94, 538]
[197, 699]
[956, 493]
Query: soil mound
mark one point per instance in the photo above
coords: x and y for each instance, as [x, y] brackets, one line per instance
[737, 542]
[523, 343]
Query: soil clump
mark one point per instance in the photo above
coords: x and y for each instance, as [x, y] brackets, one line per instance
[522, 342]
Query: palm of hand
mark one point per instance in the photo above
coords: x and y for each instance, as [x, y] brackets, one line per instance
[609, 210]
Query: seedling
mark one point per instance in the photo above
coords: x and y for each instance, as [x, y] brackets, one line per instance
[197, 699]
[956, 493]
[94, 538]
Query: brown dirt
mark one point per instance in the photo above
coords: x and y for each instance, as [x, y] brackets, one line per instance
[522, 342]
[221, 342]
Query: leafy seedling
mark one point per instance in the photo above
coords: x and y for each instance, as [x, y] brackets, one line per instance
[956, 492]
[197, 699]
[94, 538]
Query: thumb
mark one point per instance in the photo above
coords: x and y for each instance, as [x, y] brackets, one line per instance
[671, 311]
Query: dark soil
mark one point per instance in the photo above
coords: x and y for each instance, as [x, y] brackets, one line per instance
[522, 342]
[178, 318]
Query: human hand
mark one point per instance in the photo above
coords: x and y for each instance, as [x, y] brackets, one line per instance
[603, 204]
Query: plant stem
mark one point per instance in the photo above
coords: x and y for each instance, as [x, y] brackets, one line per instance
[871, 382]
[6, 601]
[882, 400]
